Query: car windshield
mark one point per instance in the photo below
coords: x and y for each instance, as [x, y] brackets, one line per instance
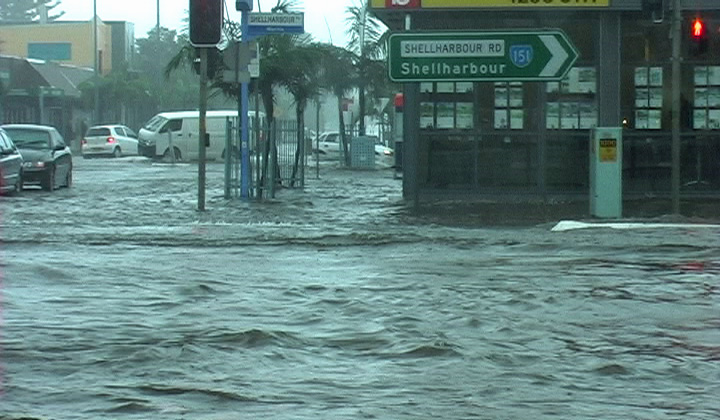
[29, 138]
[98, 132]
[155, 123]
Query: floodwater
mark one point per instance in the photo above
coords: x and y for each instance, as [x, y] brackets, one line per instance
[120, 301]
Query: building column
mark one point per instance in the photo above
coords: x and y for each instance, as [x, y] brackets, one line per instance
[608, 70]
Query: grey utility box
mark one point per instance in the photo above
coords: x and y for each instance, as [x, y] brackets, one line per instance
[362, 152]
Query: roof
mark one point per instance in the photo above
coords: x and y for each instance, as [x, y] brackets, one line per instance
[29, 74]
[196, 114]
[29, 127]
[63, 76]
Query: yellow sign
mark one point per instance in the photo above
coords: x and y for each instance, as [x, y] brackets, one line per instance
[608, 150]
[480, 4]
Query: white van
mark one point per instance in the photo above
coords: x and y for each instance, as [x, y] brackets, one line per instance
[181, 129]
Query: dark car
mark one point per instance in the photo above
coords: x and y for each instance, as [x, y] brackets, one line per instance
[47, 159]
[11, 165]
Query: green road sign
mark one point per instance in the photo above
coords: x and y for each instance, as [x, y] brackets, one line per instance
[480, 56]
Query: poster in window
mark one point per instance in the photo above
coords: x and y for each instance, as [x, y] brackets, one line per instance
[641, 76]
[700, 119]
[464, 87]
[445, 87]
[501, 95]
[516, 96]
[656, 76]
[569, 115]
[501, 119]
[427, 119]
[655, 97]
[552, 87]
[445, 115]
[654, 119]
[714, 76]
[713, 119]
[587, 80]
[552, 116]
[642, 98]
[713, 97]
[701, 97]
[641, 119]
[701, 76]
[517, 119]
[426, 87]
[464, 115]
[588, 115]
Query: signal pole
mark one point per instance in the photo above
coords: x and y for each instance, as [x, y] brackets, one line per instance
[675, 148]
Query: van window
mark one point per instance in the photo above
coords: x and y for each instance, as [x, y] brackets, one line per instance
[172, 125]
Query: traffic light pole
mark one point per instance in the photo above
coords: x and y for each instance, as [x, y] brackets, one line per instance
[245, 174]
[676, 58]
[203, 128]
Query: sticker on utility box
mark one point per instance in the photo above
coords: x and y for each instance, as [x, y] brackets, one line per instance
[608, 150]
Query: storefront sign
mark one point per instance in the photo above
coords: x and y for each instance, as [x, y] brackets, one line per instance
[480, 4]
[480, 56]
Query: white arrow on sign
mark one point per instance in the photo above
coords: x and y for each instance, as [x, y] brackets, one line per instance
[558, 53]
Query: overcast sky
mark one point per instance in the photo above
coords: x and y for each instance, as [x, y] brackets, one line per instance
[324, 19]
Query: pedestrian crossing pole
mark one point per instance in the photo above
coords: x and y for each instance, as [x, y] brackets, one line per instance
[203, 129]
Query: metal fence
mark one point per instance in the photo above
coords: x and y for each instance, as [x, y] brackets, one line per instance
[277, 159]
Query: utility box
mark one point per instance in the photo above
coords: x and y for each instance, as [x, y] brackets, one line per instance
[606, 172]
[362, 152]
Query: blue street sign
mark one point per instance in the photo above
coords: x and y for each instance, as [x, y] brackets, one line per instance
[261, 24]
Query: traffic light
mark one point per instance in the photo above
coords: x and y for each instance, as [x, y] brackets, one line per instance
[206, 18]
[698, 37]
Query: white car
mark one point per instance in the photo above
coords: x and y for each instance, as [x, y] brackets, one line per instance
[329, 144]
[109, 140]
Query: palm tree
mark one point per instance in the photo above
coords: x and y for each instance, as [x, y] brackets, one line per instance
[338, 77]
[367, 43]
[303, 82]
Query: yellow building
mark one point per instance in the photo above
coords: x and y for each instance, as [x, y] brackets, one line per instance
[64, 42]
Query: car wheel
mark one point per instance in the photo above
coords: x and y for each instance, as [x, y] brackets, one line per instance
[48, 184]
[117, 152]
[167, 157]
[69, 178]
[19, 184]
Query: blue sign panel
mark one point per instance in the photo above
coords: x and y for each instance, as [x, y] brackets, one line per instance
[260, 24]
[50, 51]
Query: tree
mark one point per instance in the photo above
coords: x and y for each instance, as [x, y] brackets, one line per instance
[303, 82]
[165, 59]
[338, 77]
[27, 10]
[367, 43]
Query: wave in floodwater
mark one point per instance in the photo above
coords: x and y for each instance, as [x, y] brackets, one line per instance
[342, 305]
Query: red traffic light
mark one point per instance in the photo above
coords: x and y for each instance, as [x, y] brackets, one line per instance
[698, 28]
[206, 19]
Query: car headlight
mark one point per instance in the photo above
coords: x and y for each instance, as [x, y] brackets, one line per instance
[31, 165]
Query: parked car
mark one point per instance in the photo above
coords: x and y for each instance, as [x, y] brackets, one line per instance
[11, 165]
[329, 144]
[109, 140]
[47, 160]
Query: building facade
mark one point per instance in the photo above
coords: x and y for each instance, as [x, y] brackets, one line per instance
[529, 137]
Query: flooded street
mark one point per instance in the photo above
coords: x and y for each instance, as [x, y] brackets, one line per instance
[120, 301]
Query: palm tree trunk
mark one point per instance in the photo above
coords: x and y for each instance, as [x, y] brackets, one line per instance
[343, 138]
[299, 150]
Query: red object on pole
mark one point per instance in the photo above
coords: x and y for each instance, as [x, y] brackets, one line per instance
[399, 101]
